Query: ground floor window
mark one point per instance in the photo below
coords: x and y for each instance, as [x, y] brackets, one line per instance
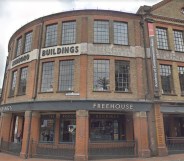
[47, 128]
[67, 127]
[107, 127]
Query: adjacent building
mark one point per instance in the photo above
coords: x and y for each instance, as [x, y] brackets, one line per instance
[90, 84]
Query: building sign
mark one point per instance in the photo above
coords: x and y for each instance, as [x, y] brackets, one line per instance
[25, 58]
[60, 51]
[109, 106]
[154, 59]
[6, 108]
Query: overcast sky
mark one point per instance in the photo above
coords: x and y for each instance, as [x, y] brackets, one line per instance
[16, 13]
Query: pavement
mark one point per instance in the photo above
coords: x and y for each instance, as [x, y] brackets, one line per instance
[176, 157]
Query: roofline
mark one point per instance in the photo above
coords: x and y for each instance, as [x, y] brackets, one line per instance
[67, 13]
[160, 4]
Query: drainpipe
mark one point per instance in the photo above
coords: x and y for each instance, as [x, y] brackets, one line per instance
[28, 135]
[38, 63]
[147, 95]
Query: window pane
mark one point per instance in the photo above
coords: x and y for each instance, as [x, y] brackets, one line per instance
[19, 46]
[67, 128]
[23, 81]
[47, 128]
[13, 83]
[68, 32]
[122, 75]
[101, 32]
[181, 78]
[28, 42]
[120, 33]
[162, 41]
[47, 77]
[179, 41]
[166, 78]
[101, 75]
[51, 35]
[66, 75]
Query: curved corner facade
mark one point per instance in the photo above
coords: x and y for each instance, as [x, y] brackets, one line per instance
[82, 83]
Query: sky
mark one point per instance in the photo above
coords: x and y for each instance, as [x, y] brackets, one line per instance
[16, 13]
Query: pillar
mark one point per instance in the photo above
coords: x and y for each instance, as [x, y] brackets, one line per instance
[141, 134]
[26, 135]
[82, 135]
[6, 125]
[129, 127]
[162, 149]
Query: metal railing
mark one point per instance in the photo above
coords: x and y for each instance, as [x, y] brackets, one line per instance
[11, 147]
[51, 150]
[112, 149]
[175, 145]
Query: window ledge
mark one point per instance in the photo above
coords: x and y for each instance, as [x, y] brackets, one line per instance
[45, 92]
[129, 92]
[179, 51]
[22, 94]
[182, 94]
[107, 91]
[122, 45]
[164, 49]
[64, 91]
[169, 94]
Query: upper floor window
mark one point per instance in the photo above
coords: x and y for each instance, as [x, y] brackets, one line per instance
[181, 78]
[47, 77]
[13, 83]
[51, 35]
[47, 128]
[162, 39]
[66, 75]
[122, 76]
[120, 33]
[23, 81]
[101, 75]
[101, 31]
[18, 47]
[68, 33]
[179, 40]
[166, 79]
[28, 42]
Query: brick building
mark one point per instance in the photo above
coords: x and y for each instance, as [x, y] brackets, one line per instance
[96, 83]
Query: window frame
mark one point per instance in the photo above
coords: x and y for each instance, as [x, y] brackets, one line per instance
[51, 89]
[99, 34]
[20, 92]
[28, 44]
[18, 50]
[177, 43]
[122, 37]
[64, 35]
[71, 74]
[162, 40]
[53, 36]
[11, 94]
[181, 77]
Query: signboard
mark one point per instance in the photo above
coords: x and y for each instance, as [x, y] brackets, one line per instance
[154, 59]
[64, 50]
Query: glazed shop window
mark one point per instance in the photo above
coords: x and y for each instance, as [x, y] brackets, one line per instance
[122, 75]
[101, 32]
[179, 41]
[13, 83]
[47, 126]
[67, 128]
[66, 75]
[120, 33]
[18, 47]
[166, 79]
[107, 127]
[162, 39]
[47, 77]
[51, 35]
[181, 78]
[23, 81]
[101, 75]
[68, 33]
[28, 42]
